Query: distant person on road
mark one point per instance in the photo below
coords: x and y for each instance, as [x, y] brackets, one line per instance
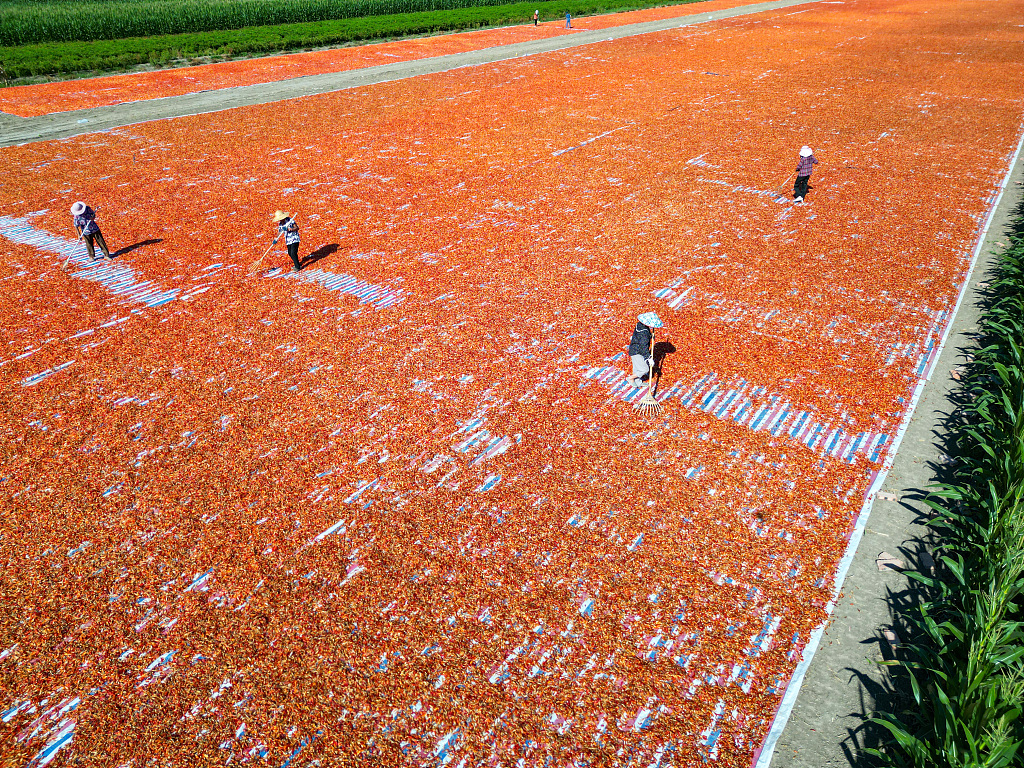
[568, 20]
[89, 230]
[803, 173]
[287, 226]
[536, 18]
[641, 348]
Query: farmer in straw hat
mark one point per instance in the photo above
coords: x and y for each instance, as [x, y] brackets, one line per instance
[89, 230]
[287, 226]
[641, 348]
[803, 173]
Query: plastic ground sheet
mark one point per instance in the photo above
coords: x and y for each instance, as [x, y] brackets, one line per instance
[397, 508]
[68, 95]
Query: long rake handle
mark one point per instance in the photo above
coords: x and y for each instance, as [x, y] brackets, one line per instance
[256, 263]
[70, 255]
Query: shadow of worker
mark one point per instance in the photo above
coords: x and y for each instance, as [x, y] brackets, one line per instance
[135, 246]
[320, 253]
[662, 349]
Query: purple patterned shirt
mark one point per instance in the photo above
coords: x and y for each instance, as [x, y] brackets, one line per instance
[806, 165]
[87, 222]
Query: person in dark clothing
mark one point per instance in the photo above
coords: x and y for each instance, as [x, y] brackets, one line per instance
[287, 226]
[89, 230]
[641, 348]
[803, 173]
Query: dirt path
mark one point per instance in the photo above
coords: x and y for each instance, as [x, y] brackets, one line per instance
[18, 130]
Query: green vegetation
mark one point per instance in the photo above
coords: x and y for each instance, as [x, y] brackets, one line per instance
[61, 58]
[23, 22]
[965, 663]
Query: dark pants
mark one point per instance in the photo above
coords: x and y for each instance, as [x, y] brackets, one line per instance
[98, 236]
[293, 251]
[800, 188]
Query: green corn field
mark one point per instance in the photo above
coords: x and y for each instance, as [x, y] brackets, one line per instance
[24, 22]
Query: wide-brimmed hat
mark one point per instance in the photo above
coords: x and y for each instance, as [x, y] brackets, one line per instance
[78, 208]
[651, 320]
[806, 151]
[281, 216]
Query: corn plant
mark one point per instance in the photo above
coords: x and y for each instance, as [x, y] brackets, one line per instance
[965, 663]
[23, 22]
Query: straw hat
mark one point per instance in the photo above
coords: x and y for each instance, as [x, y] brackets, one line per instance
[650, 319]
[78, 208]
[281, 216]
[806, 151]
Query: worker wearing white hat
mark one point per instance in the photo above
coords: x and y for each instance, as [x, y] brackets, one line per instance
[641, 348]
[88, 229]
[803, 173]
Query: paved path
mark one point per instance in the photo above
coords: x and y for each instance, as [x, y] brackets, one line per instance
[21, 130]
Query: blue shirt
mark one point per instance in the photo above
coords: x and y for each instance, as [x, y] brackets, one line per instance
[640, 342]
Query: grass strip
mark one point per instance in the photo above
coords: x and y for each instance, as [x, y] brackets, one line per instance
[116, 55]
[964, 662]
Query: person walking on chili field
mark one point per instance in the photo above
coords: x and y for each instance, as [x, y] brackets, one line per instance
[287, 226]
[568, 20]
[536, 18]
[641, 348]
[803, 173]
[89, 230]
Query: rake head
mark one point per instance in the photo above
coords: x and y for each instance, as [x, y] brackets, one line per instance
[648, 406]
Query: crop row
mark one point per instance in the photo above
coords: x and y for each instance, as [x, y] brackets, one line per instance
[108, 55]
[965, 662]
[23, 22]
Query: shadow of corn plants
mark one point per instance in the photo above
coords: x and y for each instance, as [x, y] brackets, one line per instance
[955, 693]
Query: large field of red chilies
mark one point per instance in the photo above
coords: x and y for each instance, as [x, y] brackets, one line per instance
[397, 509]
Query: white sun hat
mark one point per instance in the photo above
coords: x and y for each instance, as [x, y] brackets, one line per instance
[651, 320]
[806, 151]
[78, 208]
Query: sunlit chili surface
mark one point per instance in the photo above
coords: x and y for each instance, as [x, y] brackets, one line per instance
[397, 507]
